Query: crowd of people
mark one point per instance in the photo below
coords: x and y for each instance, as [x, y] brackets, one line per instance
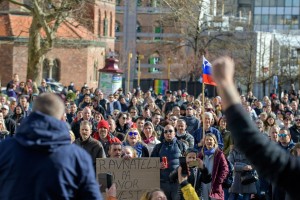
[169, 126]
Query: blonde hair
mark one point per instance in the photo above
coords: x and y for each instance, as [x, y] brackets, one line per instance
[139, 138]
[3, 125]
[130, 148]
[72, 136]
[148, 195]
[212, 136]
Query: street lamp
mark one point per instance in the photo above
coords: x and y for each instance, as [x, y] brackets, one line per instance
[128, 71]
[140, 57]
[169, 72]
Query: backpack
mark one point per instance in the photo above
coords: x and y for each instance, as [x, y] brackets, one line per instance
[229, 178]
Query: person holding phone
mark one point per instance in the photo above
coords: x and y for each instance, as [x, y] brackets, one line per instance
[197, 174]
[215, 161]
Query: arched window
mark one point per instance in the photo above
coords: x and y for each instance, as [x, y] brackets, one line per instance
[51, 69]
[56, 70]
[45, 71]
[105, 25]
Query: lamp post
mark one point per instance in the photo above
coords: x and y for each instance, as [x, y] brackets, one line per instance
[169, 72]
[128, 71]
[140, 57]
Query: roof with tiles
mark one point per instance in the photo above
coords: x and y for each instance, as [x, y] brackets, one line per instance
[18, 26]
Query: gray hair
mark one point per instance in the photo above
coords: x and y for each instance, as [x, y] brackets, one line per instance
[49, 104]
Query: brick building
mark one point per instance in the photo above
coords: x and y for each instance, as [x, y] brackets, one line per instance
[78, 53]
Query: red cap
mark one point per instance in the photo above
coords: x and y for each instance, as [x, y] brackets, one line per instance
[102, 124]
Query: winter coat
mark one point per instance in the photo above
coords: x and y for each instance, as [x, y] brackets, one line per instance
[240, 161]
[93, 147]
[219, 173]
[41, 163]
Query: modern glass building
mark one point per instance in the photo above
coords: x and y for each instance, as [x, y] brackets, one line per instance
[279, 15]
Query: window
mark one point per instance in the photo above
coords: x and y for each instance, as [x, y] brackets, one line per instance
[257, 19]
[280, 19]
[258, 3]
[117, 27]
[56, 70]
[118, 2]
[105, 25]
[296, 3]
[138, 27]
[273, 19]
[288, 19]
[158, 30]
[280, 3]
[154, 59]
[265, 19]
[139, 3]
[272, 2]
[295, 19]
[288, 2]
[46, 69]
[265, 3]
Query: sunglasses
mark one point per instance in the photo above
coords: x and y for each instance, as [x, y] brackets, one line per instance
[124, 118]
[189, 108]
[282, 135]
[168, 131]
[132, 133]
[297, 120]
[173, 119]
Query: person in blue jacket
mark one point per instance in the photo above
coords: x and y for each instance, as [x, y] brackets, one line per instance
[40, 162]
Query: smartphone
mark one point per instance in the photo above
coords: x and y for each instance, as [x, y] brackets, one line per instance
[105, 181]
[184, 166]
[194, 163]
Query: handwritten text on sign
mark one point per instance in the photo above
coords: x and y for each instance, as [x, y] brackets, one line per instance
[133, 177]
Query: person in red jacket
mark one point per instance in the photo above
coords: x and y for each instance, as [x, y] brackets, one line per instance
[104, 136]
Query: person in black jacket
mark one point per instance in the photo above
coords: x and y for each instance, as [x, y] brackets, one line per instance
[197, 173]
[270, 160]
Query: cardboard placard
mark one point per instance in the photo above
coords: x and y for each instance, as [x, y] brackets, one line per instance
[132, 177]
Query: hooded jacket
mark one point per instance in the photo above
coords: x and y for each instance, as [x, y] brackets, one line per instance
[41, 163]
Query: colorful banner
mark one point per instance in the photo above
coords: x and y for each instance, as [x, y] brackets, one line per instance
[161, 86]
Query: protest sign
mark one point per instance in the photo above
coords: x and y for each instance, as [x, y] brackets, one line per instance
[133, 176]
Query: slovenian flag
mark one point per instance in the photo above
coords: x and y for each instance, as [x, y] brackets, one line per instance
[206, 76]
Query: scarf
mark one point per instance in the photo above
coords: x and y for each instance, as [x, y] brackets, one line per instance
[149, 140]
[209, 152]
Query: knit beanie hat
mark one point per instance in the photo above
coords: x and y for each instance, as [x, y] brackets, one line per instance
[102, 124]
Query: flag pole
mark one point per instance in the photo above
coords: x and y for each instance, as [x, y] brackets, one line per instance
[203, 109]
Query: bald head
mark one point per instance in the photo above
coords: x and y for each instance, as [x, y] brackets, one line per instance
[49, 104]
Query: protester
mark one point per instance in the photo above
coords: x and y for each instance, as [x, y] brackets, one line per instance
[197, 174]
[172, 149]
[269, 158]
[42, 149]
[92, 146]
[214, 159]
[133, 139]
